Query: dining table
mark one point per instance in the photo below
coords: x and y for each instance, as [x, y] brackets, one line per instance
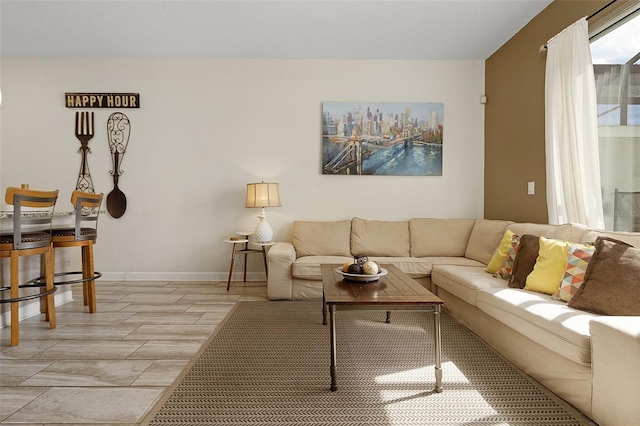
[8, 214]
[6, 225]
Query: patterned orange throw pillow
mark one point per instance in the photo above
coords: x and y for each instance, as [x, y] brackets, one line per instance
[578, 259]
[506, 268]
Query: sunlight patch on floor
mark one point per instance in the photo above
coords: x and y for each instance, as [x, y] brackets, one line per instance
[417, 375]
[424, 374]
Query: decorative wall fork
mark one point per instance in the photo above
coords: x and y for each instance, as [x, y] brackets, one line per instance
[84, 132]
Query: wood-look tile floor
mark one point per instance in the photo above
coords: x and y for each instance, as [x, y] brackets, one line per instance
[113, 366]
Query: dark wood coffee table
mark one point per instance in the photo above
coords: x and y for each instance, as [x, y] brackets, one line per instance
[395, 291]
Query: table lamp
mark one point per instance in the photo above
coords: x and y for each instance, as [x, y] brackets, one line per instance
[263, 195]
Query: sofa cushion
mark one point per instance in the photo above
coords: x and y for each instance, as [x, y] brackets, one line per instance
[632, 238]
[484, 239]
[453, 260]
[548, 322]
[379, 238]
[415, 267]
[567, 231]
[439, 237]
[464, 281]
[316, 238]
[611, 285]
[525, 260]
[421, 267]
[308, 267]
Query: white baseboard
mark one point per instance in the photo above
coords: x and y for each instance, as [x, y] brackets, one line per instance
[179, 276]
[63, 295]
[31, 307]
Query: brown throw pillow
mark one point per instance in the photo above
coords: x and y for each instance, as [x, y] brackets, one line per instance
[525, 260]
[612, 281]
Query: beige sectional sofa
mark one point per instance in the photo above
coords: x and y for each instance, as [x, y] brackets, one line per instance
[591, 361]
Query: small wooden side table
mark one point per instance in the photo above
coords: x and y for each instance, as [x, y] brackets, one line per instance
[241, 246]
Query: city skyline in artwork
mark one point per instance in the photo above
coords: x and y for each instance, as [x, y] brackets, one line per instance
[401, 139]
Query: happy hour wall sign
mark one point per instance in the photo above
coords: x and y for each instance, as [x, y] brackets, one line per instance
[102, 100]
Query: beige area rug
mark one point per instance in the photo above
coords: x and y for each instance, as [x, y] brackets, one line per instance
[269, 365]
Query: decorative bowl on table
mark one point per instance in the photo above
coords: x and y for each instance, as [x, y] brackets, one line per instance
[362, 277]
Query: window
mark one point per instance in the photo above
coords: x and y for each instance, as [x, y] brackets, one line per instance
[616, 61]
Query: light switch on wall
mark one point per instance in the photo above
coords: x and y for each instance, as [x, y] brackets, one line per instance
[531, 188]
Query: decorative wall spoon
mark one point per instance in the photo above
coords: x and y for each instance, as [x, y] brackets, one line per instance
[118, 130]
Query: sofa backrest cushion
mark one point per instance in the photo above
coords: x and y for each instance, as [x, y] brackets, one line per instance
[311, 238]
[567, 232]
[632, 238]
[439, 237]
[379, 237]
[485, 238]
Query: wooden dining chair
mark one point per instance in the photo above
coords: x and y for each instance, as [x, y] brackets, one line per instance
[31, 235]
[84, 234]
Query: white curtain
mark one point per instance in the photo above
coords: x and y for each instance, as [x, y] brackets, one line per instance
[571, 125]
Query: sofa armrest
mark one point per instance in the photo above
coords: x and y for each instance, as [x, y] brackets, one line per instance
[615, 363]
[280, 282]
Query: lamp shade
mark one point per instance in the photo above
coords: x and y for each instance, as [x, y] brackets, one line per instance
[263, 195]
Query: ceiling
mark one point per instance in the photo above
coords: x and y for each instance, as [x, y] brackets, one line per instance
[266, 29]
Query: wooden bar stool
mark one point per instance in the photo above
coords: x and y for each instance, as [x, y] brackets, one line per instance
[31, 236]
[84, 234]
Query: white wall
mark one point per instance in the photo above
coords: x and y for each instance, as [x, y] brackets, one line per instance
[207, 127]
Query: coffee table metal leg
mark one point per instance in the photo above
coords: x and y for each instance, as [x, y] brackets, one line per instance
[332, 333]
[324, 310]
[438, 347]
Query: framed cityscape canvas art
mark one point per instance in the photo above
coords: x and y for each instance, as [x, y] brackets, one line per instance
[399, 139]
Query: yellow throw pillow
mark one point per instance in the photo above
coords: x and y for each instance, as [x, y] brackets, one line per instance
[549, 268]
[500, 254]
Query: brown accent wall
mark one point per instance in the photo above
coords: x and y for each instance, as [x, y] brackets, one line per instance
[514, 113]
